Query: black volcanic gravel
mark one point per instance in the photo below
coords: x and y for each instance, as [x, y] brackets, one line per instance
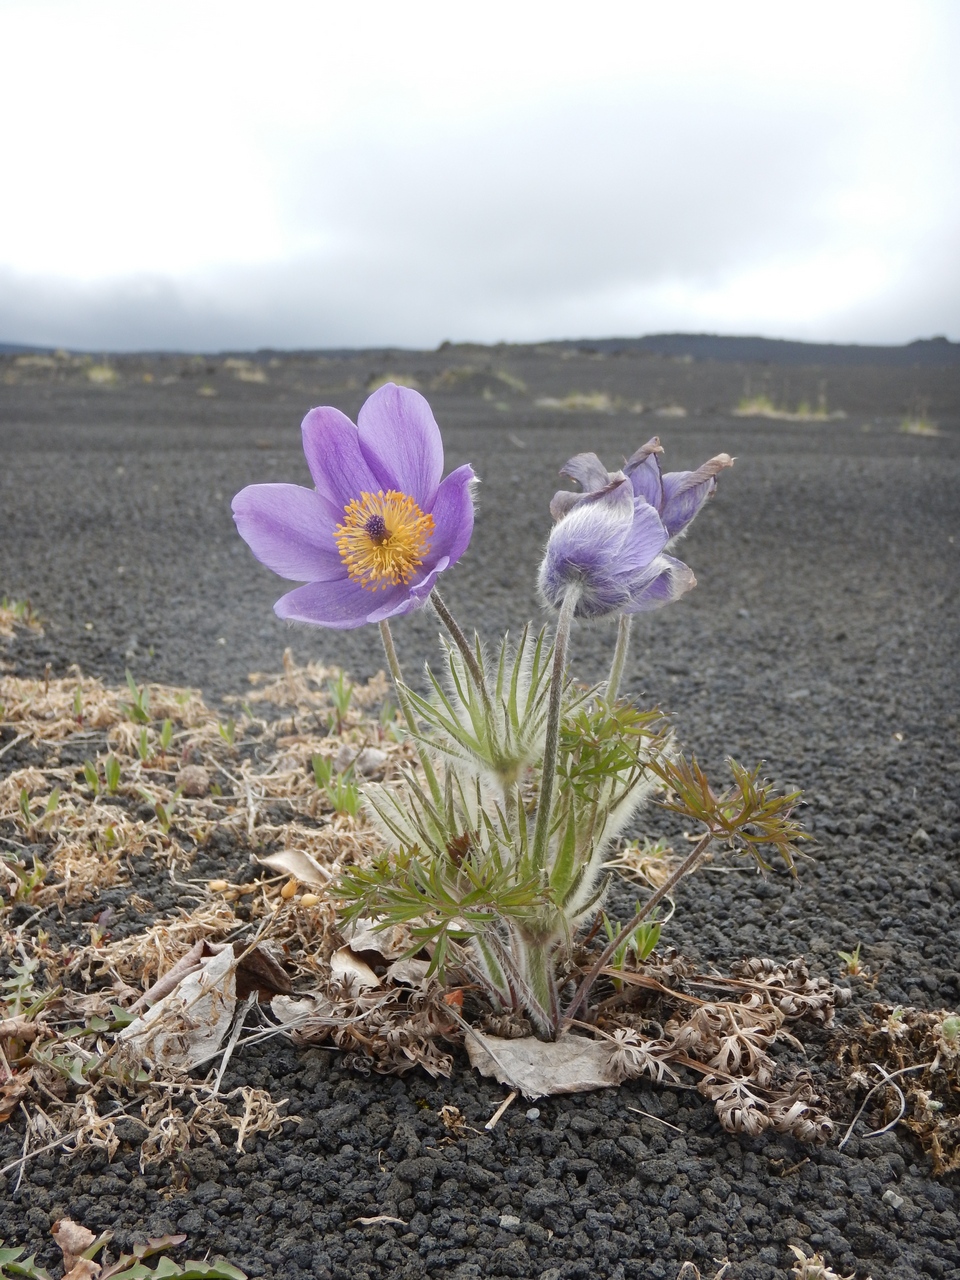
[822, 637]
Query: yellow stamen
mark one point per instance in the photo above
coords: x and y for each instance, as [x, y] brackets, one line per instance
[383, 539]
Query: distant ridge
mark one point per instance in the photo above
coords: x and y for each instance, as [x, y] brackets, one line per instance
[707, 346]
[924, 352]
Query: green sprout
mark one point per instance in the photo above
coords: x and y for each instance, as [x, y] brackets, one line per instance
[44, 818]
[22, 611]
[26, 880]
[78, 704]
[638, 942]
[228, 731]
[166, 735]
[340, 692]
[342, 793]
[322, 771]
[143, 745]
[91, 776]
[851, 962]
[139, 709]
[111, 773]
[163, 812]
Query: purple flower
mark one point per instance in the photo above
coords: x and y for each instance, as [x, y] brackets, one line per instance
[609, 548]
[676, 496]
[380, 527]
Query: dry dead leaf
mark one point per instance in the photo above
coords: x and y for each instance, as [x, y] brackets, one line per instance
[381, 1219]
[538, 1068]
[186, 1027]
[83, 1269]
[349, 968]
[298, 863]
[73, 1240]
[388, 943]
[409, 972]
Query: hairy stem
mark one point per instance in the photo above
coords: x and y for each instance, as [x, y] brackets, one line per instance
[689, 864]
[386, 635]
[619, 656]
[459, 639]
[463, 644]
[538, 971]
[541, 832]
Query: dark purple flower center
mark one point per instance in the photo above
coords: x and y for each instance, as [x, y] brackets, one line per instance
[377, 528]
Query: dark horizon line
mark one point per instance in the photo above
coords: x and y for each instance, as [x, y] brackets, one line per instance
[937, 350]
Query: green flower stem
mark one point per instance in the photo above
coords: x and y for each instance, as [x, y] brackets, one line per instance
[689, 864]
[548, 777]
[386, 635]
[619, 656]
[463, 644]
[538, 966]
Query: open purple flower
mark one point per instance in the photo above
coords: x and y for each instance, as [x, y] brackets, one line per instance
[380, 527]
[609, 548]
[676, 496]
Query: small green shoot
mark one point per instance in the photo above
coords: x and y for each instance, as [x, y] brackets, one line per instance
[91, 776]
[639, 942]
[228, 731]
[143, 745]
[26, 881]
[22, 611]
[111, 773]
[389, 728]
[164, 812]
[851, 962]
[139, 709]
[341, 791]
[166, 735]
[322, 771]
[43, 819]
[341, 691]
[78, 704]
[344, 795]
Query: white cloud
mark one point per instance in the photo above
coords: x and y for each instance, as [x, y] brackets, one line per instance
[211, 175]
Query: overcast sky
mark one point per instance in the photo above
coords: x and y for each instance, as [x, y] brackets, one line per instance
[303, 173]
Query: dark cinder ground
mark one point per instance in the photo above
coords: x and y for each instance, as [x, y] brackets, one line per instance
[822, 637]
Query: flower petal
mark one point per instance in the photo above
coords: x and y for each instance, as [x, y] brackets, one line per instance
[332, 448]
[342, 604]
[643, 468]
[586, 470]
[672, 580]
[400, 442]
[416, 595]
[290, 530]
[563, 502]
[685, 492]
[452, 516]
[646, 539]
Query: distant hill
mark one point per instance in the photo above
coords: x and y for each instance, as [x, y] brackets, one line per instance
[924, 352]
[928, 352]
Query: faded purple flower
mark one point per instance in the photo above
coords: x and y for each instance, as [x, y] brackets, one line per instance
[609, 547]
[380, 527]
[676, 496]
